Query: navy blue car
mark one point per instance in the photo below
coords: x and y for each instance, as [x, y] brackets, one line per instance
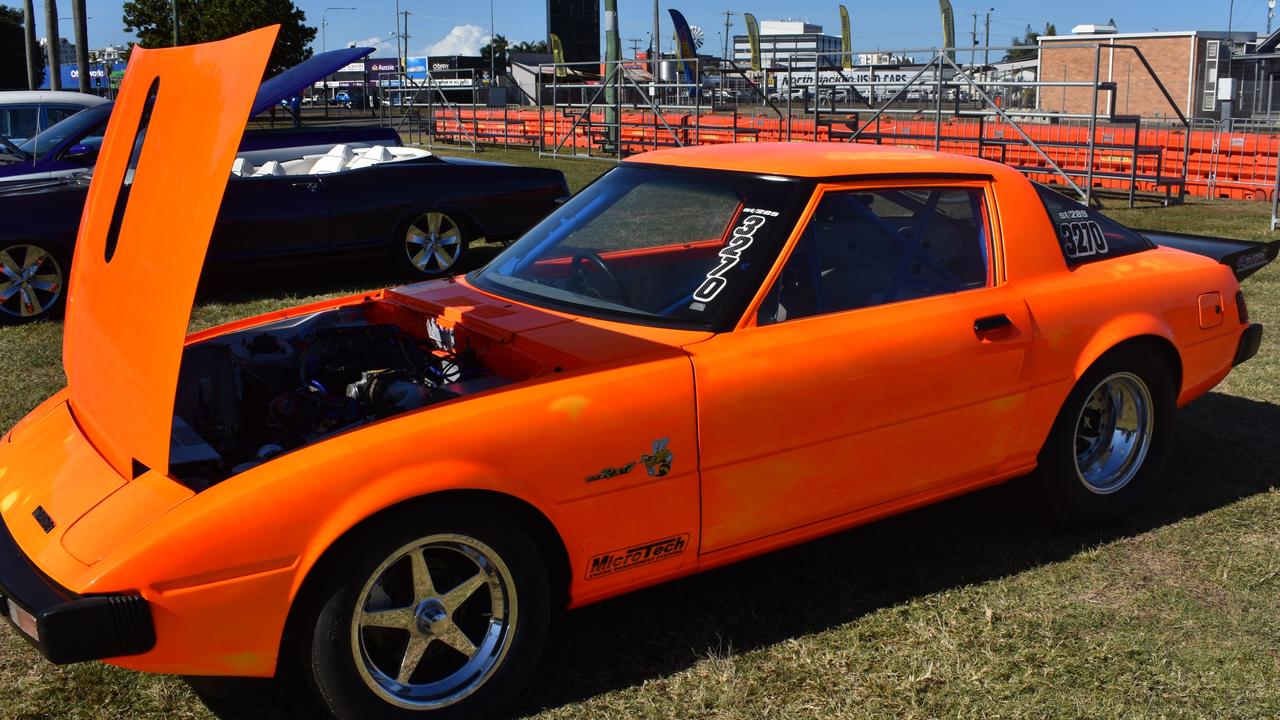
[71, 146]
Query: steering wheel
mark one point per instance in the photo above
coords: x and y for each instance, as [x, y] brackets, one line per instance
[581, 277]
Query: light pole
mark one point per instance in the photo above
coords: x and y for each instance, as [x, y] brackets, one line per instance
[173, 7]
[324, 23]
[493, 47]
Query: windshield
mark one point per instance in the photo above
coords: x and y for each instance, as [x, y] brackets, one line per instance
[91, 123]
[670, 247]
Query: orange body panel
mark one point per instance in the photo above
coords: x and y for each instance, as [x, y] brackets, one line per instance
[778, 433]
[141, 248]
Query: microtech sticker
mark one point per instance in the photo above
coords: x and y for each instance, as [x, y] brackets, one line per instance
[752, 219]
[616, 561]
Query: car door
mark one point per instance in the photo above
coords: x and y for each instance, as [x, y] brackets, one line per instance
[886, 359]
[271, 217]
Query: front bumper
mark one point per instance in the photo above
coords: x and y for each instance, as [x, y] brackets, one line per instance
[1250, 341]
[65, 627]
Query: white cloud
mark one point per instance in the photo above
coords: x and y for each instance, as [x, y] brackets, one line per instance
[461, 40]
[384, 45]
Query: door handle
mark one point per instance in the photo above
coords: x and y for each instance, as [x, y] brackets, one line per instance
[309, 186]
[991, 323]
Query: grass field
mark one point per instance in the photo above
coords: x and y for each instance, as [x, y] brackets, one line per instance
[974, 608]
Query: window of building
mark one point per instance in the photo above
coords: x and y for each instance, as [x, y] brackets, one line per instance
[867, 248]
[1210, 75]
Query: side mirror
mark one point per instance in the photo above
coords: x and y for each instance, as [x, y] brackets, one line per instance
[82, 153]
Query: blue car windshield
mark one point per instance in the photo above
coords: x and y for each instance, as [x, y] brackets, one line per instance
[83, 126]
[653, 245]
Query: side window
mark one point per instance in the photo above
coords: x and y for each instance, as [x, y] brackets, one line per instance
[58, 113]
[1085, 234]
[19, 121]
[866, 248]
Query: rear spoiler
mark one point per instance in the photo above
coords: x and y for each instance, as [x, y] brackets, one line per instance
[1244, 257]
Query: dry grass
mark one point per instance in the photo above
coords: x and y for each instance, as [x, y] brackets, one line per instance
[973, 608]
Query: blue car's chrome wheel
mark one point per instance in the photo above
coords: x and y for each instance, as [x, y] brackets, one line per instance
[433, 243]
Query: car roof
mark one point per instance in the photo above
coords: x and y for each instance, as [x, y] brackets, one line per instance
[16, 97]
[819, 160]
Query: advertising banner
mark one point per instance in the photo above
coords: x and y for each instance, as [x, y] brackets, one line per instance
[846, 39]
[753, 38]
[948, 27]
[686, 49]
[557, 55]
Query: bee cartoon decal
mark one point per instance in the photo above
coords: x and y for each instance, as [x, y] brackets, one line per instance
[659, 462]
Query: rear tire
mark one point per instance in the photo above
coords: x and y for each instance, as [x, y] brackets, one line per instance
[33, 281]
[431, 244]
[460, 586]
[1109, 444]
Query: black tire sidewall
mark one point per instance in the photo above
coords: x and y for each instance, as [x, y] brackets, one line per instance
[1067, 497]
[63, 258]
[400, 253]
[325, 647]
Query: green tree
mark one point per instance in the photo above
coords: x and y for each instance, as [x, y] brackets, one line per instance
[498, 43]
[207, 20]
[13, 49]
[530, 46]
[1028, 48]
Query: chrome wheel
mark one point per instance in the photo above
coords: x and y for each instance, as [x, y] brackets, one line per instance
[31, 281]
[434, 621]
[1113, 433]
[433, 243]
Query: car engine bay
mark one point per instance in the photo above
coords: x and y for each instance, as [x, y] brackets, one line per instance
[249, 396]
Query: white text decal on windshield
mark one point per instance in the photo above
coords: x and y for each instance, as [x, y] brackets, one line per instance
[730, 254]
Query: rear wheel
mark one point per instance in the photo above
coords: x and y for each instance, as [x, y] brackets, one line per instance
[437, 614]
[432, 244]
[1111, 439]
[33, 279]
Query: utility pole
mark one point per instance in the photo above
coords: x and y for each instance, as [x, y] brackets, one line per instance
[173, 8]
[33, 47]
[493, 48]
[657, 45]
[635, 46]
[612, 58]
[51, 44]
[727, 24]
[396, 26]
[973, 36]
[986, 53]
[81, 31]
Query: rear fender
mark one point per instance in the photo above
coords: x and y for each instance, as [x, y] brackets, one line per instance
[1122, 329]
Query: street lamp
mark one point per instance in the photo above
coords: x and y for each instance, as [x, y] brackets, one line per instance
[324, 23]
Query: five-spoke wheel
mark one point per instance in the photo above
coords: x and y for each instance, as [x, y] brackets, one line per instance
[434, 620]
[32, 282]
[433, 243]
[439, 611]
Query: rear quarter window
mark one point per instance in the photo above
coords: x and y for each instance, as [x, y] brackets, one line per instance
[1086, 235]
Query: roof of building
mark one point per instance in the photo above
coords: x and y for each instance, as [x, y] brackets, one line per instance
[818, 160]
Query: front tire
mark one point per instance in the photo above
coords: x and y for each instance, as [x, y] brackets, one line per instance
[1109, 444]
[438, 613]
[432, 244]
[33, 281]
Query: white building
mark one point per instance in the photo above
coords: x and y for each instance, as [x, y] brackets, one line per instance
[789, 43]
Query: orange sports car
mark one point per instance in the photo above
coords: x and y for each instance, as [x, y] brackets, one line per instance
[708, 354]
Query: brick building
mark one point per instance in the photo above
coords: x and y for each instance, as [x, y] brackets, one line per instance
[1188, 64]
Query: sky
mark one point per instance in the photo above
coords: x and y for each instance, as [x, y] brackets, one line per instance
[446, 28]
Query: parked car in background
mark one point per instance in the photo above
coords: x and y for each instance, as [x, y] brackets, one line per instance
[419, 210]
[71, 146]
[24, 114]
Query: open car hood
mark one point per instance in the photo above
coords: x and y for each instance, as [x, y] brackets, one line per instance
[301, 76]
[140, 251]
